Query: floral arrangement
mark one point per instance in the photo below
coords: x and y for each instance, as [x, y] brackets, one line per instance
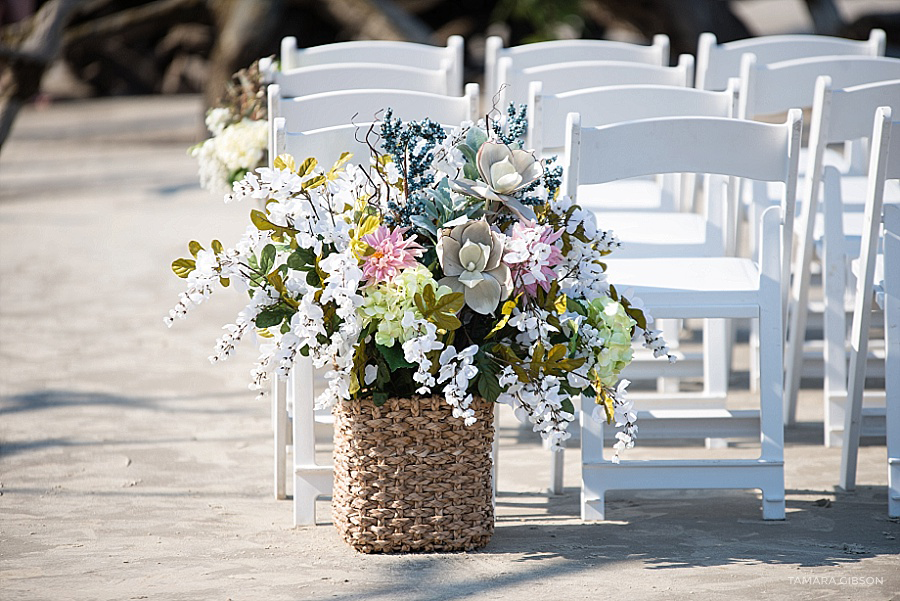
[239, 132]
[450, 265]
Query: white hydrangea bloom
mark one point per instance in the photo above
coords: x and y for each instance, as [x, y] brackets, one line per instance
[241, 146]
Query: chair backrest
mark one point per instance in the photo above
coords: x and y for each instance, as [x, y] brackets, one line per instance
[344, 107]
[716, 63]
[611, 104]
[561, 51]
[574, 75]
[352, 76]
[405, 54]
[777, 87]
[711, 145]
[326, 144]
[839, 116]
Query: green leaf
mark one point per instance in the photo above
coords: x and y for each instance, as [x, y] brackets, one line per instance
[262, 223]
[217, 247]
[488, 384]
[380, 398]
[314, 182]
[271, 316]
[441, 312]
[267, 258]
[468, 152]
[302, 259]
[567, 406]
[194, 247]
[307, 166]
[394, 356]
[284, 161]
[475, 137]
[183, 267]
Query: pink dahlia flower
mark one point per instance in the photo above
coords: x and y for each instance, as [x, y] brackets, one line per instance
[391, 254]
[531, 255]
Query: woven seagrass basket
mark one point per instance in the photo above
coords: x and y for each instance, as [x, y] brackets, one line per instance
[410, 477]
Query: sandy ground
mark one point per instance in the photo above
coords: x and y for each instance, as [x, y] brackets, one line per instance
[133, 469]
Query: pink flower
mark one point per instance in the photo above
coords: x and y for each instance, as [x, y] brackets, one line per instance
[391, 254]
[531, 255]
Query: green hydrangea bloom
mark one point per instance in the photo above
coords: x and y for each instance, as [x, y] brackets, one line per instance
[614, 325]
[385, 303]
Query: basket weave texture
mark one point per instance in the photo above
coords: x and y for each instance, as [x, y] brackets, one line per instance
[410, 477]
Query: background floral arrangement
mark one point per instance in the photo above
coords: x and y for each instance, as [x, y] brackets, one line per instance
[450, 265]
[239, 131]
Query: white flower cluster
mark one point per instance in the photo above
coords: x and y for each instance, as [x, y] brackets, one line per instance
[582, 265]
[624, 417]
[233, 149]
[416, 350]
[539, 402]
[457, 370]
[532, 325]
[341, 285]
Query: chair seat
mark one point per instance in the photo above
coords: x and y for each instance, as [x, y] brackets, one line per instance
[683, 287]
[659, 234]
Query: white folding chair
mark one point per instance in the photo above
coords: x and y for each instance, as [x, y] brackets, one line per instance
[716, 63]
[562, 51]
[771, 89]
[384, 52]
[884, 164]
[580, 74]
[663, 232]
[718, 287]
[838, 117]
[312, 479]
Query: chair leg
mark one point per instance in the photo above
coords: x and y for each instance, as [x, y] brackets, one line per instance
[771, 374]
[835, 385]
[892, 355]
[310, 480]
[557, 468]
[592, 491]
[716, 361]
[796, 340]
[859, 347]
[304, 502]
[593, 505]
[280, 426]
[495, 452]
[671, 330]
[834, 285]
[773, 503]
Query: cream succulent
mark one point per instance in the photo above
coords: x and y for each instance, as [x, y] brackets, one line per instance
[470, 256]
[503, 171]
